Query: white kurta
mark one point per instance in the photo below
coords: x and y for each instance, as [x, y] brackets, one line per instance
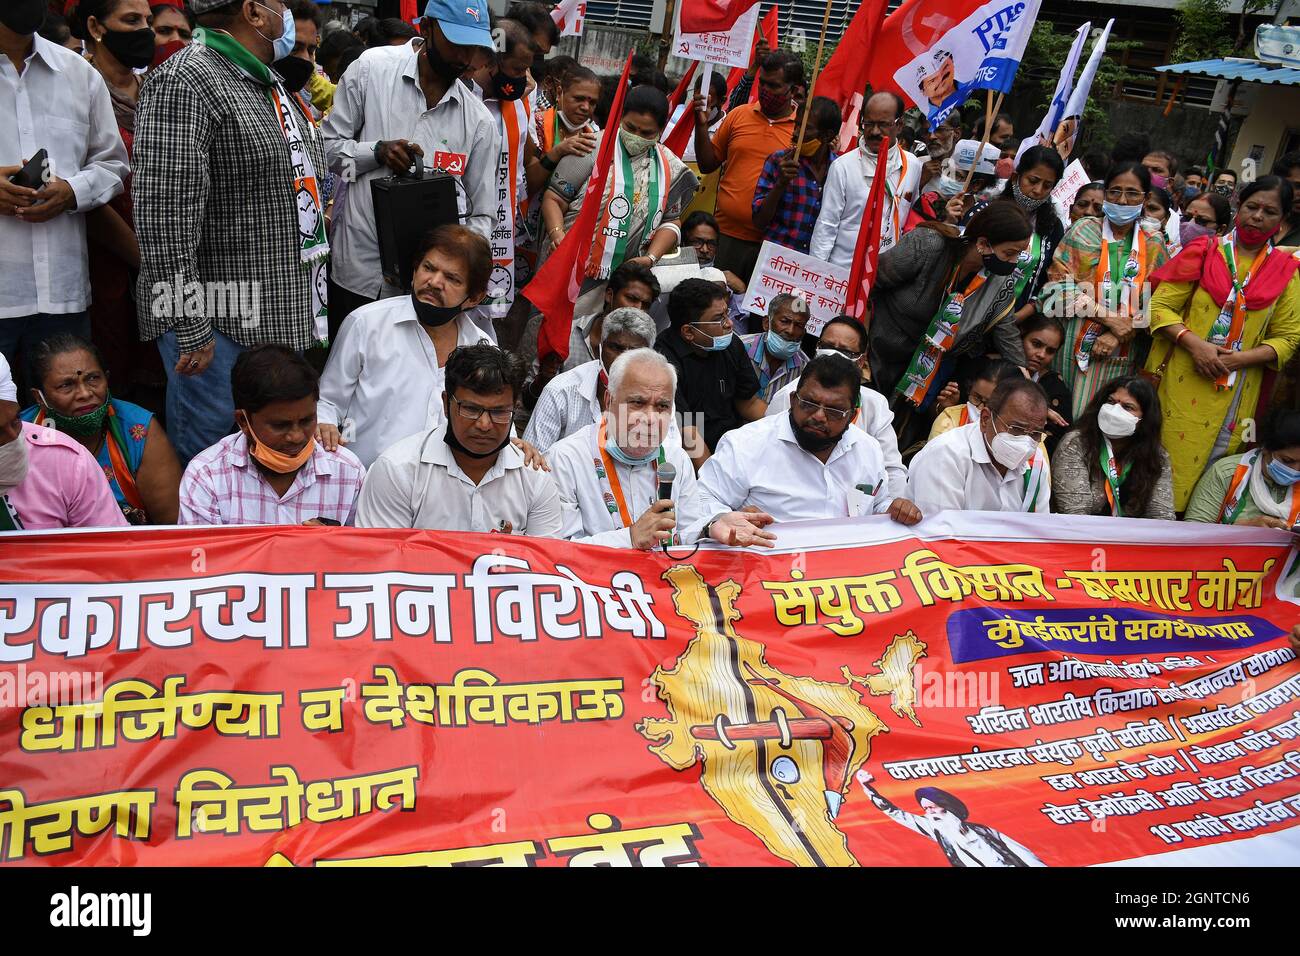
[955, 472]
[844, 200]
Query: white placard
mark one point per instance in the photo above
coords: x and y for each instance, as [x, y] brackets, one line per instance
[823, 285]
[1075, 178]
[732, 48]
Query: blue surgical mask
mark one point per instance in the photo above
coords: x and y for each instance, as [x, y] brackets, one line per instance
[619, 455]
[948, 186]
[717, 343]
[282, 45]
[779, 347]
[1281, 474]
[1121, 215]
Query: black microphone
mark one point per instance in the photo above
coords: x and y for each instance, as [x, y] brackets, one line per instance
[665, 474]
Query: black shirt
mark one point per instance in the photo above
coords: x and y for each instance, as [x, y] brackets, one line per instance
[709, 383]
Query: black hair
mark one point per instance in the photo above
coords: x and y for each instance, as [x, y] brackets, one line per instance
[1280, 429]
[998, 222]
[833, 371]
[856, 325]
[1268, 184]
[269, 373]
[157, 8]
[465, 244]
[515, 35]
[690, 299]
[578, 74]
[823, 113]
[305, 10]
[993, 369]
[1284, 164]
[1129, 166]
[84, 10]
[535, 18]
[718, 85]
[1038, 321]
[556, 68]
[1162, 196]
[1194, 171]
[483, 368]
[1009, 388]
[1094, 163]
[1145, 450]
[648, 100]
[699, 218]
[1230, 172]
[56, 29]
[1219, 203]
[1170, 160]
[43, 356]
[334, 43]
[791, 66]
[1045, 216]
[394, 28]
[345, 59]
[978, 131]
[1088, 187]
[630, 272]
[1130, 148]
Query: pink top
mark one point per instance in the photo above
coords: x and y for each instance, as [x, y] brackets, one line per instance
[65, 487]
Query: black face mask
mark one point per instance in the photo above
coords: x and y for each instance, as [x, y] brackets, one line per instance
[508, 88]
[435, 315]
[810, 441]
[998, 267]
[133, 48]
[449, 436]
[295, 70]
[447, 72]
[23, 16]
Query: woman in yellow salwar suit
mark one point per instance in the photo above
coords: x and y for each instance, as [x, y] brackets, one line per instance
[1224, 309]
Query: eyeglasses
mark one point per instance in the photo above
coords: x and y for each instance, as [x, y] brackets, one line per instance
[1206, 222]
[498, 416]
[1128, 196]
[832, 414]
[851, 356]
[725, 323]
[1020, 431]
[700, 243]
[885, 125]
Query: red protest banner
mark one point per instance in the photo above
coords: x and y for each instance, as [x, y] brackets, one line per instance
[975, 691]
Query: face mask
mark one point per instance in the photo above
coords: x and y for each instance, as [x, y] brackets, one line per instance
[1190, 191]
[989, 193]
[634, 144]
[998, 267]
[271, 459]
[134, 49]
[13, 461]
[282, 45]
[810, 441]
[1120, 215]
[972, 412]
[778, 347]
[295, 70]
[773, 104]
[1116, 422]
[435, 315]
[1023, 201]
[810, 147]
[717, 343]
[948, 186]
[1190, 230]
[509, 88]
[452, 441]
[24, 16]
[1281, 474]
[1158, 181]
[91, 423]
[1148, 224]
[1254, 237]
[570, 126]
[1223, 189]
[1011, 451]
[1005, 168]
[161, 53]
[446, 72]
[619, 455]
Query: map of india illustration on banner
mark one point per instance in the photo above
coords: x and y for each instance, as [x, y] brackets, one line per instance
[978, 690]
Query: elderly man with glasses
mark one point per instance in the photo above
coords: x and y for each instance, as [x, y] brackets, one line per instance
[994, 464]
[808, 464]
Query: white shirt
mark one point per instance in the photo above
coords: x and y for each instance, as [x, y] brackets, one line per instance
[567, 403]
[61, 104]
[844, 200]
[587, 517]
[417, 484]
[688, 154]
[379, 98]
[762, 464]
[874, 417]
[384, 378]
[954, 472]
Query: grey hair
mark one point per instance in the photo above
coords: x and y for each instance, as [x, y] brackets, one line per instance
[639, 357]
[632, 321]
[796, 303]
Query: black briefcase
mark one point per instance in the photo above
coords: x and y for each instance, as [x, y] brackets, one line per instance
[407, 207]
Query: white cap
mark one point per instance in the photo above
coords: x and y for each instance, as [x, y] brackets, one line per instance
[964, 153]
[8, 390]
[710, 274]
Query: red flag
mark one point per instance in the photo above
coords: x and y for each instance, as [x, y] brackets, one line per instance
[847, 70]
[767, 28]
[678, 134]
[712, 16]
[683, 85]
[867, 251]
[565, 13]
[410, 11]
[554, 289]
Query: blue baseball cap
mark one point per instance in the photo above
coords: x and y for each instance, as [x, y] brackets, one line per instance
[463, 22]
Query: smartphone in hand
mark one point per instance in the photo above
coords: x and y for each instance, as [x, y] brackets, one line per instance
[32, 175]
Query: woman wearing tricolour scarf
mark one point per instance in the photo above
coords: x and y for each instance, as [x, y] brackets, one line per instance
[1225, 309]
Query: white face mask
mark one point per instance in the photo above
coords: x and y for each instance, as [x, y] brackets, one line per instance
[1150, 225]
[13, 464]
[1116, 421]
[1011, 451]
[972, 412]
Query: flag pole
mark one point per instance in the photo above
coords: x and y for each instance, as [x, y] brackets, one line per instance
[990, 112]
[812, 86]
[666, 39]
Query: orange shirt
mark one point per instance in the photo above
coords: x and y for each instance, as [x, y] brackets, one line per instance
[743, 142]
